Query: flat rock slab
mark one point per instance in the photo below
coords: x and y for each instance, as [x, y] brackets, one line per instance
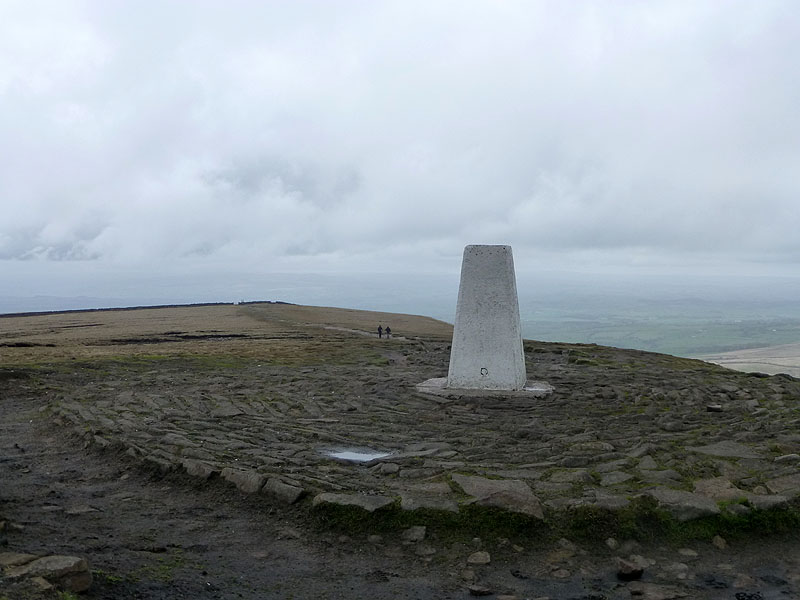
[438, 387]
[788, 485]
[721, 489]
[368, 503]
[248, 482]
[70, 573]
[726, 449]
[15, 559]
[614, 478]
[283, 492]
[197, 468]
[509, 494]
[417, 501]
[684, 506]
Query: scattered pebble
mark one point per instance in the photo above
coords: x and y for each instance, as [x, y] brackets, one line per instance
[414, 534]
[479, 590]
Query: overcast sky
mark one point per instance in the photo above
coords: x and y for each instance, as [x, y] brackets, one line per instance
[332, 136]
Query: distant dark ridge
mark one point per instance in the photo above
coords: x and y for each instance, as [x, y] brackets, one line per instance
[89, 310]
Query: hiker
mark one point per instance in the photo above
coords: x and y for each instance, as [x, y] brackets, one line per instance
[388, 332]
[380, 331]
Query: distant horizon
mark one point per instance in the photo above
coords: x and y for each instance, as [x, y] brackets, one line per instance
[681, 316]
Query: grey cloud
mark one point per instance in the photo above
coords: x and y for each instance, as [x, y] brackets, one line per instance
[399, 129]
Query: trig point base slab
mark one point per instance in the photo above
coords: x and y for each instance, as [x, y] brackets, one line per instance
[438, 387]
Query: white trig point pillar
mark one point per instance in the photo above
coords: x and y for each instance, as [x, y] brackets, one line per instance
[487, 339]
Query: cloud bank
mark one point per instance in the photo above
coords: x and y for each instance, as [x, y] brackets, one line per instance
[305, 134]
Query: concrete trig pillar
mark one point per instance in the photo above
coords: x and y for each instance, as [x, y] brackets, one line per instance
[487, 338]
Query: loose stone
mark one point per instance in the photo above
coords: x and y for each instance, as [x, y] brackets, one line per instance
[414, 534]
[479, 558]
[628, 571]
[479, 590]
[653, 591]
[561, 573]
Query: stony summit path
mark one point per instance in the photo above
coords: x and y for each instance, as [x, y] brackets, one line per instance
[696, 438]
[262, 409]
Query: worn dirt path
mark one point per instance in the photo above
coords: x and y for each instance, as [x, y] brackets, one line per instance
[150, 538]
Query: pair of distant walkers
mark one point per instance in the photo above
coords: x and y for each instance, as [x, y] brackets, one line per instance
[388, 331]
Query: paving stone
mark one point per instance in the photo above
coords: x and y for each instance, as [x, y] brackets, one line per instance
[614, 465]
[665, 476]
[788, 485]
[197, 468]
[248, 482]
[726, 449]
[592, 447]
[416, 501]
[284, 492]
[610, 502]
[572, 476]
[226, 410]
[510, 494]
[647, 463]
[615, 478]
[368, 503]
[684, 506]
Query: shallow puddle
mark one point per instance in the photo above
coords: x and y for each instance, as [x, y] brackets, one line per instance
[356, 454]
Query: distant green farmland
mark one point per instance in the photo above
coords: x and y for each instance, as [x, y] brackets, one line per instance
[671, 335]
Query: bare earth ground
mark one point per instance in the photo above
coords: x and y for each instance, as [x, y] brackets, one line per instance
[150, 530]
